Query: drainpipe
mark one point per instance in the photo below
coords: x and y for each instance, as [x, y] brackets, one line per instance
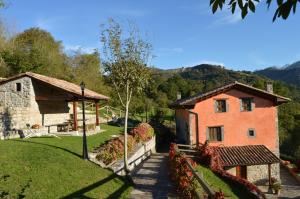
[197, 129]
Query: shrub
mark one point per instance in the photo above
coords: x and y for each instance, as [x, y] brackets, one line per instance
[180, 173]
[143, 132]
[114, 149]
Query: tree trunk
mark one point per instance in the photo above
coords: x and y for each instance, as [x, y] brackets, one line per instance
[126, 167]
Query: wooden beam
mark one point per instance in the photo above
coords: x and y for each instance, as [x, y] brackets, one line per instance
[97, 113]
[75, 121]
[51, 98]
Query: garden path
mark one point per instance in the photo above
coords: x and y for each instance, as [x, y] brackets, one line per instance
[290, 186]
[151, 179]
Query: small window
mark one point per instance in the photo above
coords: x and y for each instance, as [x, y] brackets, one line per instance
[251, 133]
[18, 87]
[220, 106]
[246, 104]
[215, 133]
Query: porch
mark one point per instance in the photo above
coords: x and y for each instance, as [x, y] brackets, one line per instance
[255, 163]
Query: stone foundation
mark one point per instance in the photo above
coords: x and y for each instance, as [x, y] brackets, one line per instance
[258, 174]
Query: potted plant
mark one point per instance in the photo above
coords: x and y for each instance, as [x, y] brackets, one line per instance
[276, 187]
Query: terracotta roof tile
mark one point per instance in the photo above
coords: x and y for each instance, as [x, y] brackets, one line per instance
[246, 155]
[191, 101]
[62, 84]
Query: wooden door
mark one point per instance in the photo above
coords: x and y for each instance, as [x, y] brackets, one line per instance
[241, 171]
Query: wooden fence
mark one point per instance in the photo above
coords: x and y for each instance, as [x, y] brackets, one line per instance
[189, 151]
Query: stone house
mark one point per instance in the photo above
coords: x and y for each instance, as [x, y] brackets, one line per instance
[242, 121]
[34, 99]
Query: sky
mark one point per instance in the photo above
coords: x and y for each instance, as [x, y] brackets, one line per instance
[182, 32]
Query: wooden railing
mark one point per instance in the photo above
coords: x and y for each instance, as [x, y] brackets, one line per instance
[196, 174]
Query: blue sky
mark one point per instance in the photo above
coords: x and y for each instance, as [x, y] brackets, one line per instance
[182, 32]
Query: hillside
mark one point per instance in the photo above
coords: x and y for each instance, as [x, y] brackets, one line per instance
[289, 74]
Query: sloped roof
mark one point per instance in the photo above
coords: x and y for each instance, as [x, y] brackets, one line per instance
[191, 101]
[58, 83]
[246, 155]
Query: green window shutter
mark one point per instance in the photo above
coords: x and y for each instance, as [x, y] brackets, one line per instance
[215, 106]
[227, 106]
[252, 104]
[222, 133]
[207, 133]
[241, 104]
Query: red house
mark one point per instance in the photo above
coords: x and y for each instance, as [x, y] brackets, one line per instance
[241, 120]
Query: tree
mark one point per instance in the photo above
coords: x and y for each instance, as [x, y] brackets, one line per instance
[86, 68]
[283, 10]
[37, 51]
[126, 55]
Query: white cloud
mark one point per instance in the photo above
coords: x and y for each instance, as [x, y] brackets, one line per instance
[226, 18]
[79, 48]
[216, 63]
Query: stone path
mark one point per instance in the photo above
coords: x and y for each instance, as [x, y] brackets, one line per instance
[151, 179]
[290, 186]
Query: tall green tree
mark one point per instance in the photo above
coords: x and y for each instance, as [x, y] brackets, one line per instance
[87, 68]
[36, 50]
[126, 55]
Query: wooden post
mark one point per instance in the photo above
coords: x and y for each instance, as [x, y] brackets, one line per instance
[97, 113]
[269, 173]
[75, 121]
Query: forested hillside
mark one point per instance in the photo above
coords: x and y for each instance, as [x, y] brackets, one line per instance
[289, 74]
[36, 50]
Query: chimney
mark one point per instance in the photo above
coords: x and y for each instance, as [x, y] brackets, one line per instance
[269, 87]
[178, 95]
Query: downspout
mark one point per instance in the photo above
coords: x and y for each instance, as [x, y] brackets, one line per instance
[197, 129]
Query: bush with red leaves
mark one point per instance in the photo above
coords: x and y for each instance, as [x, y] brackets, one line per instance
[143, 132]
[180, 173]
[114, 149]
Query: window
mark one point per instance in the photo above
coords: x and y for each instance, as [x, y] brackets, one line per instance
[251, 133]
[215, 133]
[246, 104]
[220, 106]
[18, 87]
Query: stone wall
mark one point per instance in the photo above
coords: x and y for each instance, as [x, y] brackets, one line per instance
[258, 174]
[18, 108]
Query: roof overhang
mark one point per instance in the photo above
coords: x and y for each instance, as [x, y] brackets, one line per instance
[191, 101]
[246, 155]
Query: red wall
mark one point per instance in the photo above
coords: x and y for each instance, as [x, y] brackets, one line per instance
[236, 123]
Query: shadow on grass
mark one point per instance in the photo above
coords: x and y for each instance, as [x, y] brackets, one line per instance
[81, 192]
[57, 147]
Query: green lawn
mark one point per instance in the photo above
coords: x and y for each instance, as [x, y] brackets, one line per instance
[217, 183]
[49, 167]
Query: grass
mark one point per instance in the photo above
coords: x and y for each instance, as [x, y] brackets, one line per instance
[217, 184]
[48, 167]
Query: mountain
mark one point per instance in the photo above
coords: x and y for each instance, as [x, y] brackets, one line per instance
[289, 74]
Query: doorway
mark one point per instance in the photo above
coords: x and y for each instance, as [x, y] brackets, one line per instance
[241, 171]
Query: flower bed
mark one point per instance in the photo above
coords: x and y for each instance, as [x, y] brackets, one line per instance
[113, 149]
